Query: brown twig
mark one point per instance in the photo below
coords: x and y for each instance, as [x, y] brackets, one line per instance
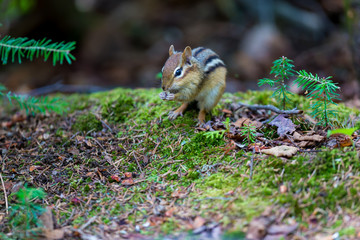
[266, 107]
[5, 195]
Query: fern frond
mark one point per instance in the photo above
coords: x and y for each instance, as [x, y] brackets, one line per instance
[19, 48]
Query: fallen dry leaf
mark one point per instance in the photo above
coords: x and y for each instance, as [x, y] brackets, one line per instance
[198, 222]
[115, 178]
[127, 182]
[54, 234]
[337, 140]
[285, 125]
[155, 220]
[281, 151]
[90, 174]
[316, 138]
[257, 229]
[32, 168]
[283, 189]
[246, 121]
[128, 174]
[226, 111]
[282, 229]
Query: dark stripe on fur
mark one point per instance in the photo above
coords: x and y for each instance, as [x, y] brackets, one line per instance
[210, 59]
[198, 51]
[214, 67]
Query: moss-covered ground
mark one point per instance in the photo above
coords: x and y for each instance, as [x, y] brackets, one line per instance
[116, 157]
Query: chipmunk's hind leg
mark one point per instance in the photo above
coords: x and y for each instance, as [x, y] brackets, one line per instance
[178, 112]
[201, 116]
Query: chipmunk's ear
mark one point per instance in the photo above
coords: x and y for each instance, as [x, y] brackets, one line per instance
[186, 55]
[171, 50]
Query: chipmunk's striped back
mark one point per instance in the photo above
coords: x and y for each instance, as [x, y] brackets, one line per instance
[208, 59]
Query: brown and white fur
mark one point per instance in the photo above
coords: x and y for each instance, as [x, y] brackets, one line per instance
[197, 74]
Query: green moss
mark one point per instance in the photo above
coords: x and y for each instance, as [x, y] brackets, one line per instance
[119, 109]
[106, 220]
[234, 235]
[79, 102]
[78, 221]
[349, 231]
[193, 175]
[169, 226]
[86, 123]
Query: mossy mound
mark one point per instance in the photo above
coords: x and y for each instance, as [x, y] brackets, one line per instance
[119, 109]
[87, 122]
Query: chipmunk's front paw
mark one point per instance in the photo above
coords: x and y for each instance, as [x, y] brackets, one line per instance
[169, 96]
[166, 96]
[162, 95]
[174, 114]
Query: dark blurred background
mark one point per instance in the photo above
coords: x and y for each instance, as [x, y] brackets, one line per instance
[125, 43]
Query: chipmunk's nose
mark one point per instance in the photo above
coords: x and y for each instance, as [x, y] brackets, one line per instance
[163, 87]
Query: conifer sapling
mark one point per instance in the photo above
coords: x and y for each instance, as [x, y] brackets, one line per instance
[322, 91]
[282, 70]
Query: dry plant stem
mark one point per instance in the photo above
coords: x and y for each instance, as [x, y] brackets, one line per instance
[5, 195]
[85, 225]
[252, 164]
[267, 107]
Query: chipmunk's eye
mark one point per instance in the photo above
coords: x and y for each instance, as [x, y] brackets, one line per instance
[178, 72]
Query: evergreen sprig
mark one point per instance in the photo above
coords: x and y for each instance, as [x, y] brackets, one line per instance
[24, 215]
[27, 48]
[35, 105]
[282, 70]
[323, 92]
[249, 133]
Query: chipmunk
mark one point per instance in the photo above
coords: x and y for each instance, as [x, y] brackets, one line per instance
[197, 74]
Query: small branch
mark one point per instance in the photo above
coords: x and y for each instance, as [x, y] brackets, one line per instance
[266, 107]
[26, 48]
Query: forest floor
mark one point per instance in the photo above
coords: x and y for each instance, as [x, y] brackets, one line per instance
[114, 167]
